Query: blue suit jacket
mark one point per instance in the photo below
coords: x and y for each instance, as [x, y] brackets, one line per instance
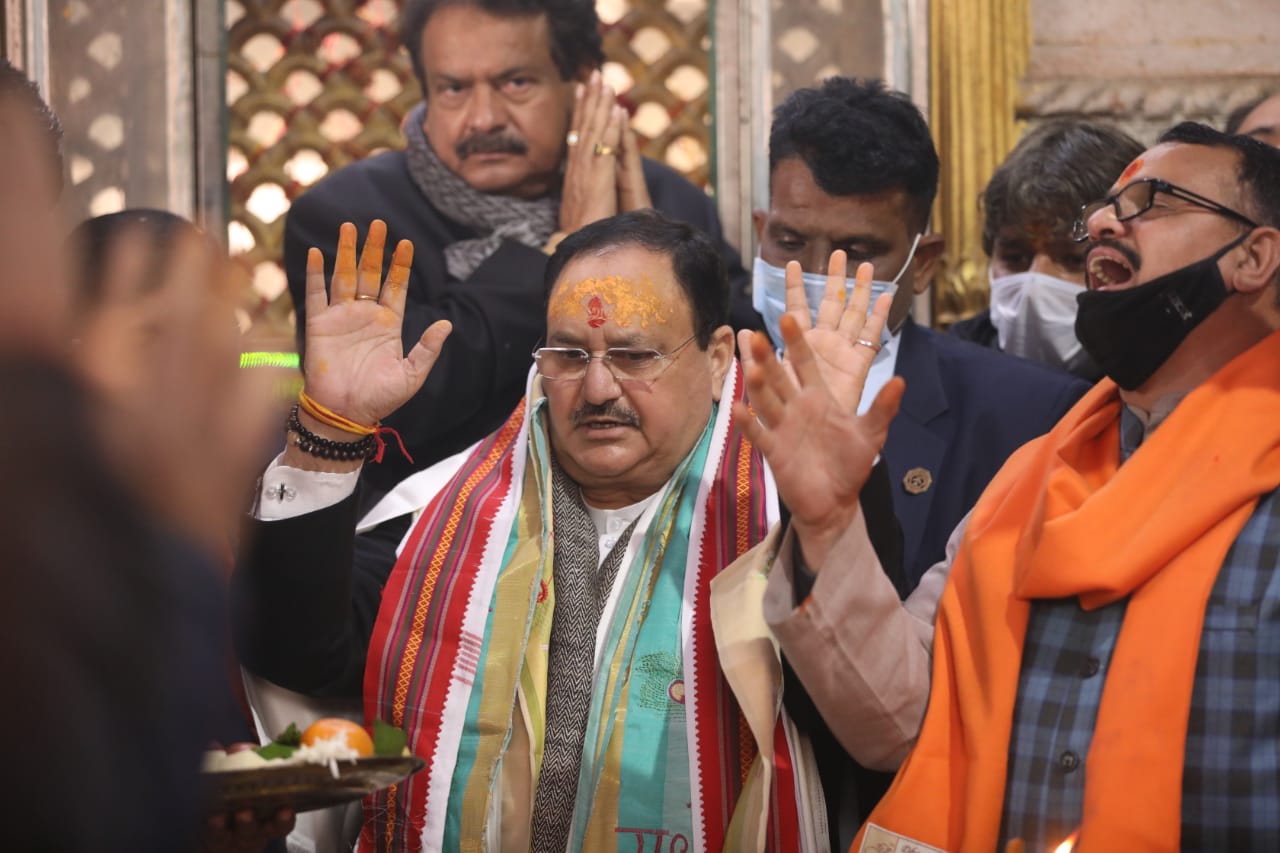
[965, 410]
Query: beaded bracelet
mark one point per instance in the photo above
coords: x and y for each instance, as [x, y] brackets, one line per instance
[341, 451]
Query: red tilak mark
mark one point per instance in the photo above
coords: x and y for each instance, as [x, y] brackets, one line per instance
[1131, 170]
[595, 313]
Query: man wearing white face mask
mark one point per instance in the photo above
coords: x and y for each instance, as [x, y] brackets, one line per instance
[1036, 270]
[853, 167]
[768, 295]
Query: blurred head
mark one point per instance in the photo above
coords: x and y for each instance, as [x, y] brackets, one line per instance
[22, 97]
[852, 167]
[1035, 195]
[1184, 257]
[1259, 119]
[34, 288]
[657, 289]
[93, 241]
[499, 77]
[1036, 268]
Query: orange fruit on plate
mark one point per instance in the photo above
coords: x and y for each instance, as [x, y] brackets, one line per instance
[333, 728]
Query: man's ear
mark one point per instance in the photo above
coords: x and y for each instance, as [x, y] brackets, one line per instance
[720, 351]
[584, 73]
[1256, 261]
[928, 254]
[758, 219]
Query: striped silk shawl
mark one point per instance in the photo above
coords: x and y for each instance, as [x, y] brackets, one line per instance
[458, 659]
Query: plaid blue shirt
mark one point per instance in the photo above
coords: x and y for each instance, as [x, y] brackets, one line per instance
[1231, 774]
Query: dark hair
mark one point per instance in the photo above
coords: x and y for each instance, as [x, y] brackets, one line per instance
[13, 83]
[858, 138]
[1051, 173]
[574, 28]
[695, 260]
[93, 240]
[1257, 170]
[1240, 113]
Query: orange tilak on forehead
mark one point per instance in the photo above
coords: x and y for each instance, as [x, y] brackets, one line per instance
[624, 301]
[1130, 170]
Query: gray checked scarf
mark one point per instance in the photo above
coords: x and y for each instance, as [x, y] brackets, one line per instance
[496, 217]
[581, 589]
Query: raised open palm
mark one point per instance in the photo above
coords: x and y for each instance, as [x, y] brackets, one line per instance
[819, 449]
[845, 338]
[355, 362]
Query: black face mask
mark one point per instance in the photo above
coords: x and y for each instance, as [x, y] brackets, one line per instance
[1130, 333]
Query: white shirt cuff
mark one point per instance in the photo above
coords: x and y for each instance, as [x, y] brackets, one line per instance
[289, 492]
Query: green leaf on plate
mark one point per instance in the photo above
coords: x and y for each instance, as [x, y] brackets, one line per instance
[387, 739]
[289, 737]
[276, 750]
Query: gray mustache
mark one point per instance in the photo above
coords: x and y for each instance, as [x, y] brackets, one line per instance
[611, 411]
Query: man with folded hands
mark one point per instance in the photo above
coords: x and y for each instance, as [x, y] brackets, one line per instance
[517, 142]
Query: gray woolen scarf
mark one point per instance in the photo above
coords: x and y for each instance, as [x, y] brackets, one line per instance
[496, 217]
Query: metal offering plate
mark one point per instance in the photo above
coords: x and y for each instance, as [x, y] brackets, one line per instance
[305, 787]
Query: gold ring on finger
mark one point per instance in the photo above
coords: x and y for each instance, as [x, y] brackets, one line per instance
[375, 299]
[602, 150]
[875, 347]
[572, 139]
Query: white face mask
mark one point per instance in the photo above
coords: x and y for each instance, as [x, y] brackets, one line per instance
[1035, 317]
[769, 293]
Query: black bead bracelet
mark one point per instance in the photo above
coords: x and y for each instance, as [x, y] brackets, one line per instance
[340, 451]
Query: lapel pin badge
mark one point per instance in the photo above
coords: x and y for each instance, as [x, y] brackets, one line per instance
[917, 481]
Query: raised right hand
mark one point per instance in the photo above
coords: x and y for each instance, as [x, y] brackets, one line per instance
[355, 362]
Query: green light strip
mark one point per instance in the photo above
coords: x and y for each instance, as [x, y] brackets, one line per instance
[269, 359]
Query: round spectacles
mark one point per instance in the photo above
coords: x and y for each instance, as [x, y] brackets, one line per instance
[1140, 196]
[569, 363]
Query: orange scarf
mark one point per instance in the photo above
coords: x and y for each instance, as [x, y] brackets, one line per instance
[1070, 520]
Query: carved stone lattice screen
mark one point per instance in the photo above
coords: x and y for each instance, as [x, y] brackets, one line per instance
[116, 110]
[815, 40]
[657, 56]
[313, 85]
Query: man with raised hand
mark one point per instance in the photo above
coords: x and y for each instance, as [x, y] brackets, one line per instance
[853, 168]
[1105, 658]
[545, 635]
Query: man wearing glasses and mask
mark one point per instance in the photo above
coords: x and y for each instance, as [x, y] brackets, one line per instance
[1036, 269]
[1105, 653]
[544, 635]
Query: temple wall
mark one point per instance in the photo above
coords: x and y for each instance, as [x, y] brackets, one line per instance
[1147, 64]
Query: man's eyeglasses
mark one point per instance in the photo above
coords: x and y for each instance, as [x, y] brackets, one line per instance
[1138, 197]
[569, 363]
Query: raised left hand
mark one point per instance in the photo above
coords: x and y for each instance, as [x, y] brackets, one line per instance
[845, 339]
[183, 424]
[819, 449]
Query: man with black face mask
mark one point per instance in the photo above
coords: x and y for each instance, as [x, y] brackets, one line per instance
[1107, 648]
